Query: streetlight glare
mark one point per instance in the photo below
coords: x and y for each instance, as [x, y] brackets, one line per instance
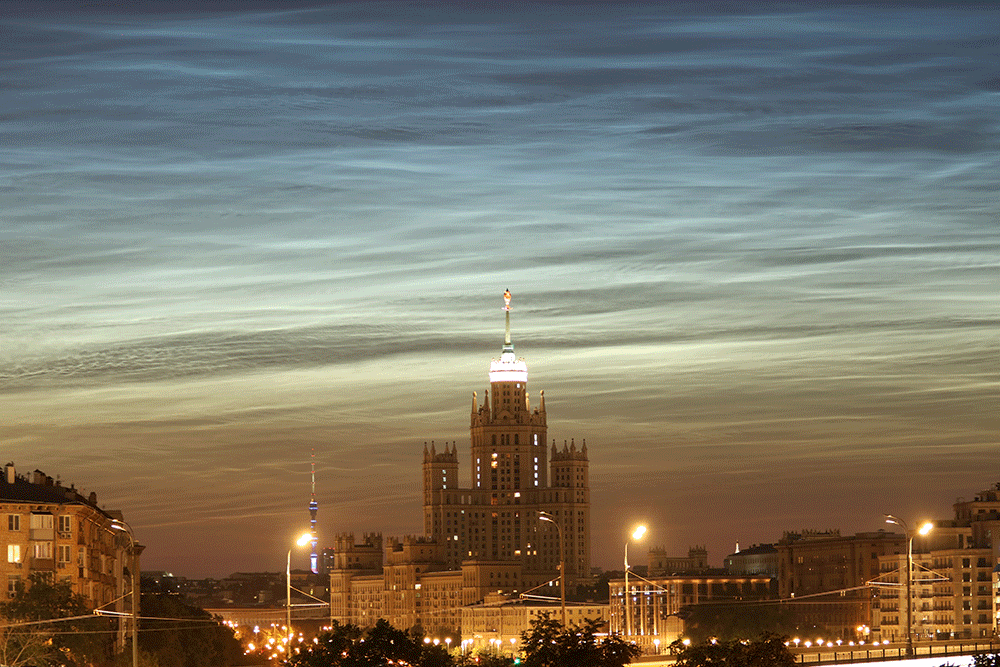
[303, 539]
[926, 528]
[639, 532]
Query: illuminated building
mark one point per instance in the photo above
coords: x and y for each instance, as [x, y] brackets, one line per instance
[496, 517]
[54, 530]
[484, 538]
[956, 584]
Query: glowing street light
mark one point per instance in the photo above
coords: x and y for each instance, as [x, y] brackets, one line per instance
[118, 524]
[636, 535]
[545, 516]
[923, 530]
[303, 540]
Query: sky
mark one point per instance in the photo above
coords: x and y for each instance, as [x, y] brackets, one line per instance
[753, 253]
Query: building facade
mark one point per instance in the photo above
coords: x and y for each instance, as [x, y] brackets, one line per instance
[484, 537]
[495, 624]
[653, 605]
[662, 564]
[824, 577]
[955, 591]
[53, 530]
[757, 559]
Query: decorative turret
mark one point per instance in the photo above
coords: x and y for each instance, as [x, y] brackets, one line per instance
[570, 469]
[440, 469]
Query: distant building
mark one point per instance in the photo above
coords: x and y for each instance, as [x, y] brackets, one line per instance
[483, 538]
[660, 563]
[828, 573]
[655, 604]
[55, 531]
[756, 559]
[496, 623]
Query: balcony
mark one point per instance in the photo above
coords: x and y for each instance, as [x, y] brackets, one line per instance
[42, 534]
[45, 564]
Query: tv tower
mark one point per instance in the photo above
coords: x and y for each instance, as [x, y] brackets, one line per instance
[313, 508]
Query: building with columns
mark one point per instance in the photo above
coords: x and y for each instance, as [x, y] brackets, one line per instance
[483, 537]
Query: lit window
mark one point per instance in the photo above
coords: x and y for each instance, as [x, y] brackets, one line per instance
[13, 553]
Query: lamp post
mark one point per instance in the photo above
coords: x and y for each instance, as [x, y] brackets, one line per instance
[304, 539]
[636, 535]
[923, 530]
[118, 524]
[545, 516]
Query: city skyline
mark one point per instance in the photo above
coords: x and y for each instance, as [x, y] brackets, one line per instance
[753, 256]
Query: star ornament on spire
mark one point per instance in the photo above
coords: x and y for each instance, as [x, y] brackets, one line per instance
[506, 300]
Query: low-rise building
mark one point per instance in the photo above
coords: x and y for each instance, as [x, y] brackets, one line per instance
[650, 613]
[496, 624]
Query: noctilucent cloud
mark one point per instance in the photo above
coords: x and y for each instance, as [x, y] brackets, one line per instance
[752, 250]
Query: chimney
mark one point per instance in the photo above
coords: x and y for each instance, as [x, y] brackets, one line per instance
[10, 472]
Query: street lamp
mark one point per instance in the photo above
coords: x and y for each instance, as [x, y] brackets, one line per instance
[636, 535]
[923, 530]
[303, 540]
[118, 524]
[545, 516]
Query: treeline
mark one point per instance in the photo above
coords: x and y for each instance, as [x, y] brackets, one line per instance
[46, 623]
[546, 644]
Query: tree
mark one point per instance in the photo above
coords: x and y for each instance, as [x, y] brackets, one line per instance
[485, 660]
[195, 639]
[735, 621]
[380, 646]
[548, 644]
[768, 650]
[81, 639]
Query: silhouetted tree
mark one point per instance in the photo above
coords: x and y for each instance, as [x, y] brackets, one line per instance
[735, 621]
[380, 646]
[194, 639]
[80, 641]
[548, 644]
[768, 650]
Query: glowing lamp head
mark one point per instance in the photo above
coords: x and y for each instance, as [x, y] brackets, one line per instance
[304, 539]
[926, 528]
[638, 533]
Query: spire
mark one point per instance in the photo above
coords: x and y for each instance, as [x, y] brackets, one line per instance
[508, 347]
[508, 368]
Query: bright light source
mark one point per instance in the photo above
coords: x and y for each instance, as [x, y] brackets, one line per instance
[638, 533]
[304, 539]
[926, 528]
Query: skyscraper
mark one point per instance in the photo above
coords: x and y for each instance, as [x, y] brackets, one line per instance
[513, 477]
[482, 539]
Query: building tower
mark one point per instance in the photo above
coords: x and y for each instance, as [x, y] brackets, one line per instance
[494, 519]
[313, 509]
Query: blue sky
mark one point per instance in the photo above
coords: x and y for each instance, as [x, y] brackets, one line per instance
[753, 259]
